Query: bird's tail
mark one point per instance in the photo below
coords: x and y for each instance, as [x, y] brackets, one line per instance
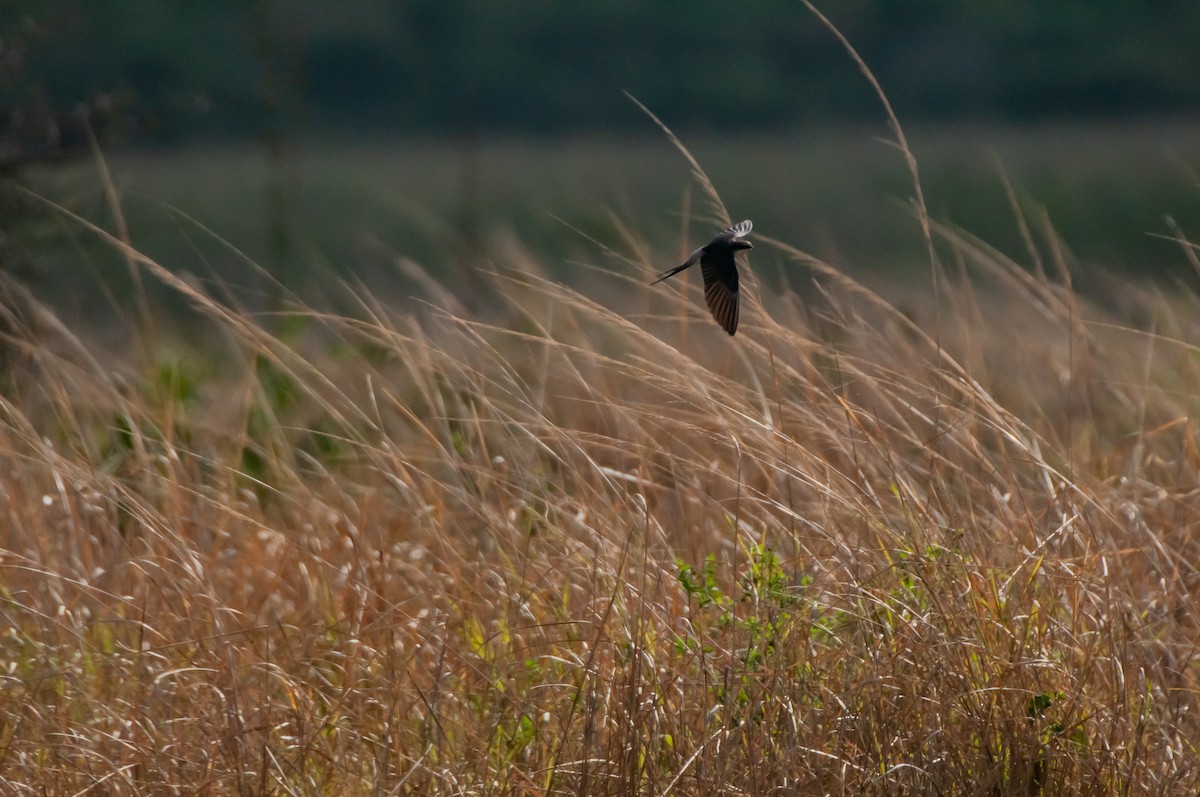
[672, 272]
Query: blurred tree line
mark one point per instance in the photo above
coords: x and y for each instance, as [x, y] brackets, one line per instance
[178, 71]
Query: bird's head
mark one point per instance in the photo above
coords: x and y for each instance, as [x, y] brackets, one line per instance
[741, 243]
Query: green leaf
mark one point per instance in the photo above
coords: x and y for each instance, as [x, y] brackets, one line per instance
[473, 635]
[524, 733]
[1040, 702]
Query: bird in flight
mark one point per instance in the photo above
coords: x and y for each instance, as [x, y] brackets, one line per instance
[720, 273]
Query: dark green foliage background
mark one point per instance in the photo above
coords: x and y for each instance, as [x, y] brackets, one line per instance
[368, 67]
[332, 137]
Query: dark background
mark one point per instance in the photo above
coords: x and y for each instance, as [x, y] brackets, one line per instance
[317, 137]
[535, 67]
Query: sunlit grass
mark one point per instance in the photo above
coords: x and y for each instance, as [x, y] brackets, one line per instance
[585, 543]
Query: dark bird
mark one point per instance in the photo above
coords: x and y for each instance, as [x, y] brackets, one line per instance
[720, 273]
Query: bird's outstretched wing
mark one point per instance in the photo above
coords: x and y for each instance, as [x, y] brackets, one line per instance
[741, 229]
[721, 286]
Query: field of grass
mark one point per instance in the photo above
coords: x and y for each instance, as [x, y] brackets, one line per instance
[575, 540]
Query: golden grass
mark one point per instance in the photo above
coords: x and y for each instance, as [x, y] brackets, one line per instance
[562, 548]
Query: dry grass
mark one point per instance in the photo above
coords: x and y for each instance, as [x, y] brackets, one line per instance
[565, 549]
